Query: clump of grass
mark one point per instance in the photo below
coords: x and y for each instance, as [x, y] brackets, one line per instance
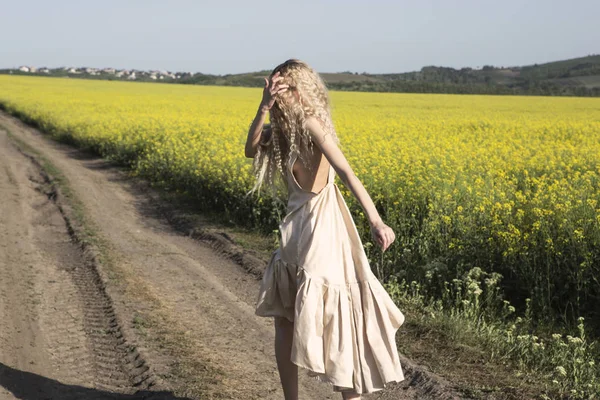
[472, 310]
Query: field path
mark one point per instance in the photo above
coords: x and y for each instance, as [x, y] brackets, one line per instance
[49, 313]
[58, 333]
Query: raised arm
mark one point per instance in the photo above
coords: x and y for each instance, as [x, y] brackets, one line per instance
[382, 234]
[254, 133]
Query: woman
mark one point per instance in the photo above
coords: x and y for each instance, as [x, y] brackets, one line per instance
[332, 316]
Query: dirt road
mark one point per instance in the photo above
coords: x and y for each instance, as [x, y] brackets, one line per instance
[58, 337]
[65, 334]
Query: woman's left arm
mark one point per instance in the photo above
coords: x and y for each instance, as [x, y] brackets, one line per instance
[382, 233]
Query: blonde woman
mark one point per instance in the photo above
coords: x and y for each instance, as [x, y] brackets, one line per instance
[332, 316]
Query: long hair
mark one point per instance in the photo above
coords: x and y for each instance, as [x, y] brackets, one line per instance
[289, 135]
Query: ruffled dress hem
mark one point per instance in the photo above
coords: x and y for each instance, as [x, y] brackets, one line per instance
[345, 335]
[324, 378]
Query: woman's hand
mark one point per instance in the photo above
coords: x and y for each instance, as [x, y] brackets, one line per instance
[272, 88]
[383, 235]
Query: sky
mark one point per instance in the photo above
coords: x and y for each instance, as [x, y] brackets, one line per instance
[228, 37]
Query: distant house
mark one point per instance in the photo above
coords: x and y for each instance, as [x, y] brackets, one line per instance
[108, 70]
[24, 69]
[132, 76]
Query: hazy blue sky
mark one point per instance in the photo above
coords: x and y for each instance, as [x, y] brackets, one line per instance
[240, 36]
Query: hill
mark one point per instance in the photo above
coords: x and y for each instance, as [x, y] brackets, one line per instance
[572, 77]
[575, 77]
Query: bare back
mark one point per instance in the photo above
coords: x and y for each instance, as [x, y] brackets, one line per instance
[312, 181]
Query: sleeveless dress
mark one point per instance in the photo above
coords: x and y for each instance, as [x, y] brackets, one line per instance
[320, 279]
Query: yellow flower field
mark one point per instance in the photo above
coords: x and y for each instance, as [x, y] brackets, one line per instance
[507, 184]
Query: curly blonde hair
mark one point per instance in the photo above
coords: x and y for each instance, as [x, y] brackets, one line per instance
[289, 135]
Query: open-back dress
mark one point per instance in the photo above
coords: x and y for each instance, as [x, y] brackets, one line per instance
[320, 279]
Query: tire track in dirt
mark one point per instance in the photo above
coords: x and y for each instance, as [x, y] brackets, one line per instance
[77, 316]
[207, 295]
[59, 338]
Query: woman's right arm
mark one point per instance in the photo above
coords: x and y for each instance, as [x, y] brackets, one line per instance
[254, 133]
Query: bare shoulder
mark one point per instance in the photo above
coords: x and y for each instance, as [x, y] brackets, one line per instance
[328, 146]
[315, 129]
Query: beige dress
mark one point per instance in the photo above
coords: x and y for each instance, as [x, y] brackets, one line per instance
[319, 277]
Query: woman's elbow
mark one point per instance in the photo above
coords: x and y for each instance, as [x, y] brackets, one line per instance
[249, 153]
[347, 177]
